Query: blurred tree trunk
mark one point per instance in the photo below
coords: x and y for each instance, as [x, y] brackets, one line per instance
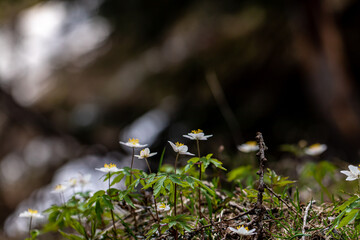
[320, 50]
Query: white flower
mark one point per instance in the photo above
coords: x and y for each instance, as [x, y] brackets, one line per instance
[353, 174]
[197, 135]
[241, 230]
[72, 182]
[30, 213]
[250, 146]
[108, 168]
[163, 207]
[84, 179]
[145, 153]
[59, 188]
[180, 148]
[134, 143]
[315, 149]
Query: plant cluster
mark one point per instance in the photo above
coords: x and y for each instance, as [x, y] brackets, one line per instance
[179, 203]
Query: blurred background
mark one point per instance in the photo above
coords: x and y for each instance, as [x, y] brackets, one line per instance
[78, 76]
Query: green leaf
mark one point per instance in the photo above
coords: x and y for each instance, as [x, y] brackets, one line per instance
[98, 210]
[118, 178]
[208, 200]
[78, 227]
[107, 201]
[240, 173]
[70, 236]
[128, 201]
[158, 185]
[347, 203]
[349, 218]
[153, 230]
[217, 163]
[161, 159]
[175, 179]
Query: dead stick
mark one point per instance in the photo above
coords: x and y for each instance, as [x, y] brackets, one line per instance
[260, 209]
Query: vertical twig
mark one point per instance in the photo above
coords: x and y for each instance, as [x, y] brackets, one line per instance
[260, 209]
[305, 217]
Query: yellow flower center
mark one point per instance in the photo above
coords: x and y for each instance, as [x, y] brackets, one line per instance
[58, 187]
[316, 145]
[179, 144]
[197, 131]
[162, 205]
[32, 211]
[251, 143]
[111, 165]
[246, 228]
[133, 140]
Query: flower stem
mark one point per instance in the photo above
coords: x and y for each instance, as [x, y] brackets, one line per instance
[30, 226]
[198, 148]
[156, 210]
[132, 162]
[111, 211]
[147, 163]
[176, 159]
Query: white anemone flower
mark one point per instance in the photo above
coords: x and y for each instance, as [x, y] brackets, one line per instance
[145, 153]
[134, 143]
[60, 188]
[241, 230]
[353, 174]
[31, 213]
[315, 149]
[72, 182]
[108, 168]
[197, 135]
[84, 179]
[163, 207]
[180, 148]
[250, 146]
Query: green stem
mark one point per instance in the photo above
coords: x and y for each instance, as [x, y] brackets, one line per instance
[30, 227]
[147, 163]
[111, 211]
[131, 166]
[176, 159]
[156, 210]
[199, 190]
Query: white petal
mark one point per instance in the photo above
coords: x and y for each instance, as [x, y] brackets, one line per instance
[187, 153]
[351, 178]
[174, 147]
[152, 154]
[183, 149]
[233, 229]
[347, 173]
[354, 169]
[139, 145]
[190, 137]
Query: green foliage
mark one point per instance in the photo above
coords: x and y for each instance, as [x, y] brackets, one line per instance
[86, 216]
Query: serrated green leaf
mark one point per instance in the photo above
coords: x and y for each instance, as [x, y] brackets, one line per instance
[175, 179]
[158, 185]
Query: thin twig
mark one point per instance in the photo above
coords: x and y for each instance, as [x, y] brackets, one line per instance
[305, 217]
[260, 209]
